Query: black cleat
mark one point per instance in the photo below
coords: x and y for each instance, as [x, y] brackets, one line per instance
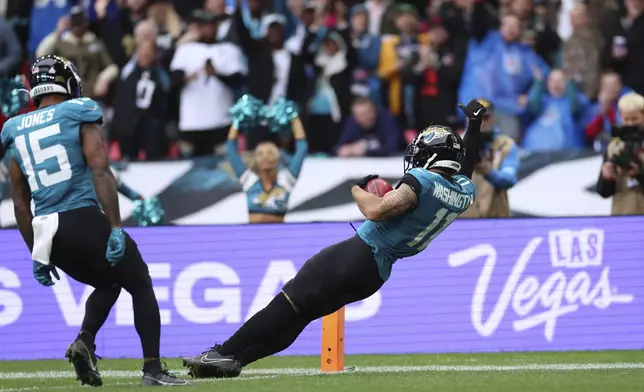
[211, 364]
[84, 361]
[162, 378]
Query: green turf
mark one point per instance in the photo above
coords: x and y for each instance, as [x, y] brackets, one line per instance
[457, 380]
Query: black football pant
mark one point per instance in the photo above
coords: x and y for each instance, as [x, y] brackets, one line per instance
[79, 248]
[336, 276]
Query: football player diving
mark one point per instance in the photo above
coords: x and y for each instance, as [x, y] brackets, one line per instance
[435, 189]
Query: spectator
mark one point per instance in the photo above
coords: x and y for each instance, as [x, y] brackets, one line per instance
[556, 114]
[536, 30]
[45, 17]
[624, 39]
[399, 58]
[252, 14]
[17, 13]
[581, 54]
[441, 65]
[305, 35]
[140, 105]
[107, 24]
[370, 131]
[367, 49]
[456, 17]
[10, 51]
[332, 94]
[382, 16]
[598, 131]
[499, 66]
[168, 23]
[624, 185]
[207, 72]
[496, 172]
[273, 71]
[218, 8]
[86, 51]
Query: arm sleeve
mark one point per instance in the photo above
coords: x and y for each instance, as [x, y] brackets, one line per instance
[472, 143]
[301, 149]
[506, 176]
[234, 158]
[412, 181]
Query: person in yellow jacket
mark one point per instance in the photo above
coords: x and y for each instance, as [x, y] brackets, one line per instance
[399, 59]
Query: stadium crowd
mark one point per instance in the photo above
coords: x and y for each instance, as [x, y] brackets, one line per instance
[366, 76]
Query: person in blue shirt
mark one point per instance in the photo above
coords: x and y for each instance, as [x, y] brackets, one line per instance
[58, 161]
[435, 189]
[557, 107]
[496, 172]
[267, 185]
[370, 131]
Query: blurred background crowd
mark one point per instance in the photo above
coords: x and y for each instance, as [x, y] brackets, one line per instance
[366, 76]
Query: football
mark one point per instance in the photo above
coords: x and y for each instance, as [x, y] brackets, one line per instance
[378, 187]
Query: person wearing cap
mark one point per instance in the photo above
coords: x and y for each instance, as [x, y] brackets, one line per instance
[399, 55]
[86, 50]
[496, 172]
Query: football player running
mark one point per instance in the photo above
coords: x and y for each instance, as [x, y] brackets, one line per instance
[435, 189]
[58, 161]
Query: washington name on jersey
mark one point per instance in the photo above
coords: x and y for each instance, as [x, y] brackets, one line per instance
[440, 201]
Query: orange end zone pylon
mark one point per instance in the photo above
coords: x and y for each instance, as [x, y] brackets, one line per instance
[332, 358]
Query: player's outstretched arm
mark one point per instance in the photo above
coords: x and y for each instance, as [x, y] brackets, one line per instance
[96, 157]
[474, 112]
[393, 204]
[21, 196]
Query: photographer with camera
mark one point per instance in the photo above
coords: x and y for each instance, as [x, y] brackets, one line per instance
[622, 173]
[496, 170]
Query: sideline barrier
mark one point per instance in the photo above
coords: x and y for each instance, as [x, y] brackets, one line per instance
[204, 192]
[482, 285]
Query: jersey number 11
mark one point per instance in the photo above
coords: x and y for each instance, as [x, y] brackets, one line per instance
[440, 223]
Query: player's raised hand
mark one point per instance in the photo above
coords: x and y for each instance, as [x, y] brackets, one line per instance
[474, 110]
[115, 246]
[362, 183]
[43, 273]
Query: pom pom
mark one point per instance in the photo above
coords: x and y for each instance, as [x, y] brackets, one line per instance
[246, 112]
[13, 96]
[148, 212]
[279, 116]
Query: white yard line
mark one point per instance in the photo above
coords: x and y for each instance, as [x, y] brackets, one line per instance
[270, 373]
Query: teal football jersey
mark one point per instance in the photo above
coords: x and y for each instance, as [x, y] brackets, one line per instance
[440, 201]
[46, 144]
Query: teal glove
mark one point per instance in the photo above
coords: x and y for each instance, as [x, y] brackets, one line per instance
[43, 273]
[115, 246]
